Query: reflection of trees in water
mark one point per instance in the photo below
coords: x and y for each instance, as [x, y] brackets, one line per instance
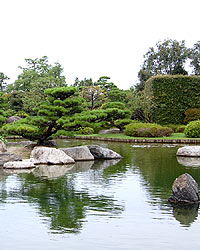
[58, 200]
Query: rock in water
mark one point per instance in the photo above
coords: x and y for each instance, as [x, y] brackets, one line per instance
[185, 190]
[2, 146]
[46, 155]
[190, 151]
[6, 157]
[103, 153]
[81, 153]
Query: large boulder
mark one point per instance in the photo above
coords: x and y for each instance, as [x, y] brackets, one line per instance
[46, 155]
[103, 153]
[191, 151]
[13, 119]
[184, 190]
[6, 157]
[81, 153]
[19, 164]
[52, 171]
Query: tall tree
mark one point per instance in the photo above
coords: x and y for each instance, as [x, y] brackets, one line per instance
[167, 57]
[3, 81]
[195, 58]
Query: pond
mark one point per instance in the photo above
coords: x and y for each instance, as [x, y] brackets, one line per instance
[116, 204]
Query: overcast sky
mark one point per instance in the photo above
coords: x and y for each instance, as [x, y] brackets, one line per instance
[92, 38]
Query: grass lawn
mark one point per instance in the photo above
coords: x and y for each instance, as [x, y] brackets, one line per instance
[174, 136]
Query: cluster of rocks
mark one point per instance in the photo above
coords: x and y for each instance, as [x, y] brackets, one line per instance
[52, 156]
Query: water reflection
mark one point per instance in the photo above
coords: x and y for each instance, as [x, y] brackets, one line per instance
[53, 192]
[189, 161]
[51, 171]
[185, 214]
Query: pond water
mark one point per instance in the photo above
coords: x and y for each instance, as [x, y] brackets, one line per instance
[102, 205]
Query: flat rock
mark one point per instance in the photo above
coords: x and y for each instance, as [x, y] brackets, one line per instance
[81, 153]
[46, 155]
[6, 157]
[13, 119]
[103, 153]
[184, 190]
[190, 151]
[19, 164]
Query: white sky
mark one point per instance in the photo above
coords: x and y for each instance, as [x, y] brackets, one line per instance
[92, 38]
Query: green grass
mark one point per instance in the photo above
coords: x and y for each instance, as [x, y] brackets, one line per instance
[174, 136]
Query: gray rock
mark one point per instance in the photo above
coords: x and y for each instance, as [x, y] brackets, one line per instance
[6, 157]
[190, 151]
[82, 166]
[51, 171]
[103, 153]
[46, 155]
[110, 131]
[184, 190]
[13, 119]
[19, 164]
[81, 153]
[2, 146]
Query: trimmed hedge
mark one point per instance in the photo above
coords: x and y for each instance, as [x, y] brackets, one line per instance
[172, 96]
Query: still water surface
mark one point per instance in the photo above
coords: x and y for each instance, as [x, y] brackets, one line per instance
[102, 205]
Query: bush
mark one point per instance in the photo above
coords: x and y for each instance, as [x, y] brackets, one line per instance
[85, 131]
[176, 128]
[192, 130]
[147, 130]
[122, 123]
[192, 115]
[63, 133]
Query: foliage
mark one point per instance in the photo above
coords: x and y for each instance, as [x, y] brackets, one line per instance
[139, 129]
[195, 58]
[172, 96]
[85, 131]
[3, 81]
[93, 95]
[192, 130]
[131, 128]
[121, 123]
[118, 105]
[167, 57]
[192, 114]
[59, 102]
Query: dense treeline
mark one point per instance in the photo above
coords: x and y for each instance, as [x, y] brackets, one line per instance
[49, 106]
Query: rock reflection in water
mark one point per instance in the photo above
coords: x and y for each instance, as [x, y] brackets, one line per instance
[185, 214]
[51, 171]
[82, 166]
[189, 161]
[105, 163]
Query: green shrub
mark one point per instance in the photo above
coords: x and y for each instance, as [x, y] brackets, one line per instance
[192, 130]
[180, 129]
[85, 131]
[192, 115]
[122, 123]
[140, 129]
[63, 133]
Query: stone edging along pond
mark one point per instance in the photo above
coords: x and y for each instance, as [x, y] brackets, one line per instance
[170, 141]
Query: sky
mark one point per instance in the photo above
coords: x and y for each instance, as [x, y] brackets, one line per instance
[92, 38]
